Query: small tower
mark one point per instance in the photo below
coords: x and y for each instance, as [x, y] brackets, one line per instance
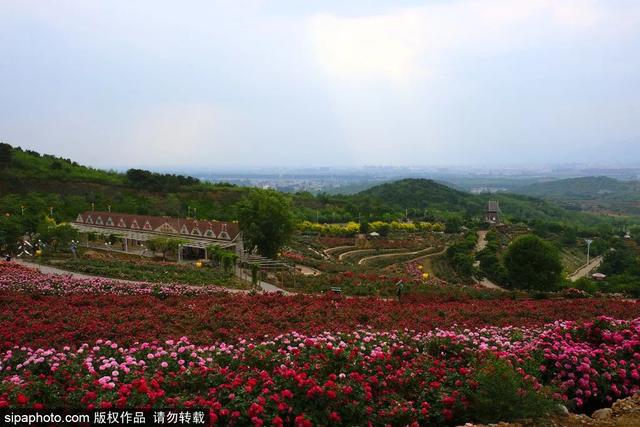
[493, 213]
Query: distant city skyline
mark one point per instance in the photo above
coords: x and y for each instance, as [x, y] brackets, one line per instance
[263, 84]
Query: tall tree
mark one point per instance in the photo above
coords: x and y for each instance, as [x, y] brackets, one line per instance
[6, 154]
[266, 220]
[533, 264]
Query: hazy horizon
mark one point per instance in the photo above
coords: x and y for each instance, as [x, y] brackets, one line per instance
[284, 84]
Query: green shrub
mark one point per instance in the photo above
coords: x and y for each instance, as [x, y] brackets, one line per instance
[504, 395]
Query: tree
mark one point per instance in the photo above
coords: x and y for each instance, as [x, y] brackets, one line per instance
[490, 266]
[56, 234]
[6, 154]
[533, 264]
[10, 232]
[165, 245]
[619, 261]
[266, 220]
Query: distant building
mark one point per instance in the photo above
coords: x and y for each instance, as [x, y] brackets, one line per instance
[493, 214]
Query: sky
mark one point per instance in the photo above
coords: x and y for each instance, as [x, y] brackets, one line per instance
[322, 83]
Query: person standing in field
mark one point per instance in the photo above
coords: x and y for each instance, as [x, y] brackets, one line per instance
[399, 289]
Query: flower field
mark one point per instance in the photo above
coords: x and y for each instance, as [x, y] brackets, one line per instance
[331, 378]
[269, 359]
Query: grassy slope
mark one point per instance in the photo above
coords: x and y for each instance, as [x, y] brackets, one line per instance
[38, 182]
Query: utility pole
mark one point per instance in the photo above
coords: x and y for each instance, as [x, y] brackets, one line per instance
[589, 242]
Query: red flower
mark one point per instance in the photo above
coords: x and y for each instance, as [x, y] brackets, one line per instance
[22, 399]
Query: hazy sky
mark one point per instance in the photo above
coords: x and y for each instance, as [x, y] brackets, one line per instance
[307, 83]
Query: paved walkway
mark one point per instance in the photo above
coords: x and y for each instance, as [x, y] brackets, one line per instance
[586, 269]
[47, 269]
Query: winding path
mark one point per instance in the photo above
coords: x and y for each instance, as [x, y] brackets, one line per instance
[363, 260]
[342, 255]
[329, 251]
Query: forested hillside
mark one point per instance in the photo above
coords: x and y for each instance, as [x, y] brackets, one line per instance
[35, 183]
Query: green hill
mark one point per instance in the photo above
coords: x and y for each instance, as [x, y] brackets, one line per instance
[38, 182]
[597, 194]
[421, 194]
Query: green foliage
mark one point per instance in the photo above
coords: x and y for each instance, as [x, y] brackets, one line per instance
[491, 267]
[56, 235]
[165, 245]
[6, 154]
[533, 264]
[266, 220]
[504, 395]
[620, 260]
[11, 230]
[461, 258]
[222, 257]
[587, 285]
[139, 178]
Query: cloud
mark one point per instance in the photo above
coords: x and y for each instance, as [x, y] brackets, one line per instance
[380, 46]
[412, 43]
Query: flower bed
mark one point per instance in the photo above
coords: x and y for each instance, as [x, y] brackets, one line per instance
[15, 277]
[402, 377]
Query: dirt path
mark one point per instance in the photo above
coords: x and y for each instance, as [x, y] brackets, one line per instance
[307, 271]
[480, 245]
[585, 269]
[482, 240]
